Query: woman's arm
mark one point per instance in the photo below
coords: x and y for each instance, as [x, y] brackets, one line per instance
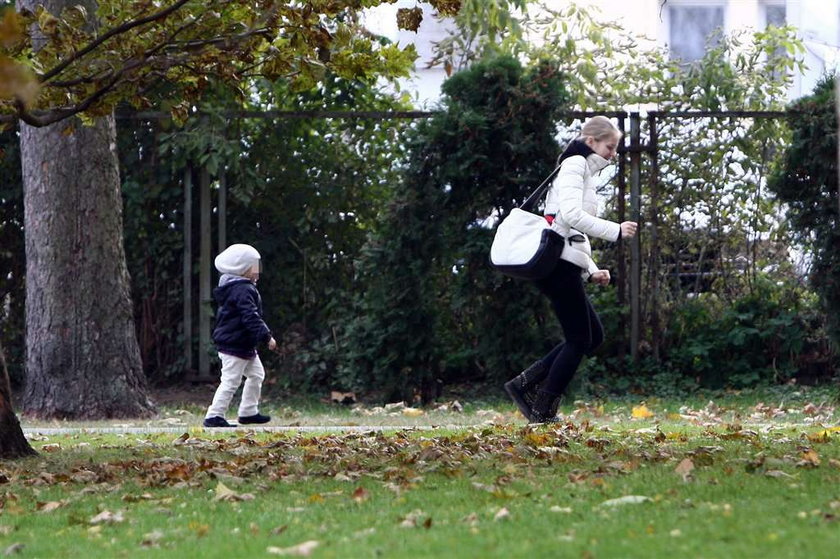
[569, 186]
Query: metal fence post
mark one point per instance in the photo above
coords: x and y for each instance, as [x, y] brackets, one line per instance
[635, 244]
[187, 270]
[621, 212]
[222, 218]
[206, 263]
[654, 261]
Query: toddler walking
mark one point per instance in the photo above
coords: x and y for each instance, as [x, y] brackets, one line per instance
[239, 329]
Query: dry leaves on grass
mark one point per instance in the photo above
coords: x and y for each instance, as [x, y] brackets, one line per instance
[398, 462]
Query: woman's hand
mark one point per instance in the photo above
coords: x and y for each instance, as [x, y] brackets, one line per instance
[601, 277]
[272, 344]
[628, 229]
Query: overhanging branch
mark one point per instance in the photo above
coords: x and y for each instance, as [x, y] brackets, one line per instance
[111, 33]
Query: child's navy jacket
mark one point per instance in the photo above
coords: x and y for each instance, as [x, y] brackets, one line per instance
[239, 324]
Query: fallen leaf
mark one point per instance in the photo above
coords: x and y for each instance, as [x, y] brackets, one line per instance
[411, 520]
[471, 519]
[304, 549]
[808, 459]
[107, 517]
[626, 500]
[778, 474]
[684, 469]
[152, 539]
[502, 514]
[641, 412]
[199, 528]
[361, 494]
[823, 436]
[50, 506]
[224, 493]
[338, 397]
[14, 548]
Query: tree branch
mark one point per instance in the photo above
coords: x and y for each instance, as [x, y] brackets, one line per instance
[56, 115]
[112, 33]
[90, 78]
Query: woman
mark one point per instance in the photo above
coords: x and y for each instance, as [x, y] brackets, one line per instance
[570, 207]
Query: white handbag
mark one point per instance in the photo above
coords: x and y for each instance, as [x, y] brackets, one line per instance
[524, 245]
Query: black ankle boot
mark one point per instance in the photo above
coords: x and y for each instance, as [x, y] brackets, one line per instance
[544, 409]
[521, 387]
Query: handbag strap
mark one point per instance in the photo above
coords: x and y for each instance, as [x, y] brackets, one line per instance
[537, 194]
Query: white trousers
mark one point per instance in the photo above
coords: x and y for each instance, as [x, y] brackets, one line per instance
[233, 369]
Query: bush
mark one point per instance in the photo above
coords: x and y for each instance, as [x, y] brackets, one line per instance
[807, 182]
[772, 334]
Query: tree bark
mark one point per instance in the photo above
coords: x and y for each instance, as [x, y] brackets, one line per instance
[12, 442]
[83, 359]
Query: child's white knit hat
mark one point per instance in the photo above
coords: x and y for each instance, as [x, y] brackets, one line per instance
[237, 259]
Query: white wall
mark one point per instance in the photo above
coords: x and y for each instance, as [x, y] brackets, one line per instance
[818, 22]
[425, 82]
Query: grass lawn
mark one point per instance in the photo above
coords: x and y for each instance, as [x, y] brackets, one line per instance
[742, 476]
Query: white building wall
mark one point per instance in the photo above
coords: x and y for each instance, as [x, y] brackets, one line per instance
[817, 21]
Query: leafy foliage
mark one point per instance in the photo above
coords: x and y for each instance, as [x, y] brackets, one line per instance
[806, 181]
[58, 65]
[305, 192]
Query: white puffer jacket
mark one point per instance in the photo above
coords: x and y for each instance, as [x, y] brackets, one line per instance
[573, 202]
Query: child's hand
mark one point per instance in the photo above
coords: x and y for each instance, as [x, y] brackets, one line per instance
[272, 344]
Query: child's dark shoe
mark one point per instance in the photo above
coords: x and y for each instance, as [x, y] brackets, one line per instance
[216, 422]
[256, 418]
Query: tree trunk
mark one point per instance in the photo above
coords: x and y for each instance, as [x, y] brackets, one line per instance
[83, 360]
[12, 442]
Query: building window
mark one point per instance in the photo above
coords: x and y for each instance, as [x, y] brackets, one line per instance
[775, 15]
[692, 29]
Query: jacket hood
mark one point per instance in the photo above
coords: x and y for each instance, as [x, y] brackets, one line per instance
[223, 291]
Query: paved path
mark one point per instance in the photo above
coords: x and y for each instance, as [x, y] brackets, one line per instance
[34, 431]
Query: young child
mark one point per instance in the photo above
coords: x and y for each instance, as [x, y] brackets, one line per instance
[239, 329]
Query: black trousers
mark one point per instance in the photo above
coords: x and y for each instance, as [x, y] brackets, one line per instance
[581, 326]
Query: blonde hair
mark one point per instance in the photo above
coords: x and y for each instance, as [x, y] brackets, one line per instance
[599, 128]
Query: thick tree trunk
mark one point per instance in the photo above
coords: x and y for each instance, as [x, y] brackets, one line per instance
[12, 442]
[83, 359]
